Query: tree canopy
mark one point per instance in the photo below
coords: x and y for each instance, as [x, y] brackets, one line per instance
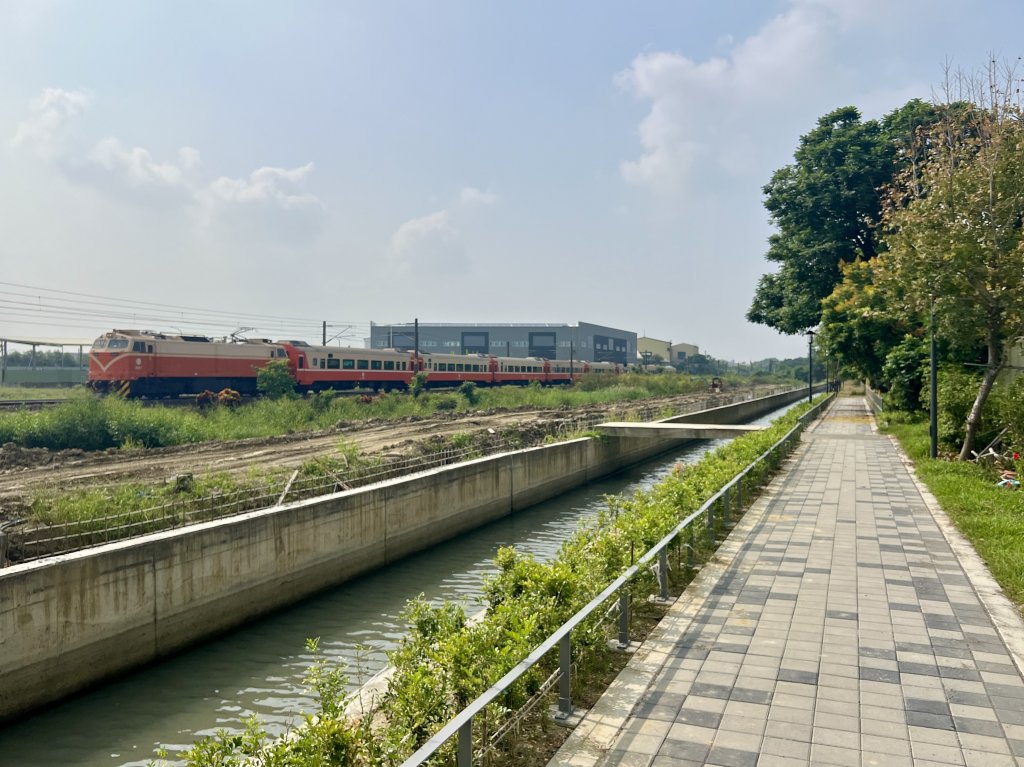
[826, 205]
[953, 226]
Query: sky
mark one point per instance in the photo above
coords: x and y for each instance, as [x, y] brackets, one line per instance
[208, 166]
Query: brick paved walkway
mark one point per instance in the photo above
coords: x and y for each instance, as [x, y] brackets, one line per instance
[837, 628]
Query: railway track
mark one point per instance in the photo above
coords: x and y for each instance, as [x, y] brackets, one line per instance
[28, 404]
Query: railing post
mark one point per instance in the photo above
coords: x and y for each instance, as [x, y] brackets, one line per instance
[727, 516]
[465, 757]
[663, 574]
[711, 524]
[689, 550]
[739, 494]
[565, 679]
[624, 617]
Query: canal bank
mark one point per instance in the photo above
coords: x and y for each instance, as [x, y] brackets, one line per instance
[72, 621]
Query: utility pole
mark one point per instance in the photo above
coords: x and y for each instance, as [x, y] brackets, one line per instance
[325, 334]
[933, 392]
[416, 341]
[570, 361]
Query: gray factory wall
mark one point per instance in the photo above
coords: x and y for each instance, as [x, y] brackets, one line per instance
[70, 621]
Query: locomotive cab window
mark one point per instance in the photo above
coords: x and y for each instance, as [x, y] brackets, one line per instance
[138, 346]
[117, 343]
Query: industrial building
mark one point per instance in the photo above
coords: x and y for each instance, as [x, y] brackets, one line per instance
[582, 341]
[652, 350]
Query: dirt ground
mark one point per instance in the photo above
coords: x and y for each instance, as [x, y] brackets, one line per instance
[26, 472]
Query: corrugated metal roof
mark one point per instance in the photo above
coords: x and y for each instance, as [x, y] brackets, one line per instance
[47, 340]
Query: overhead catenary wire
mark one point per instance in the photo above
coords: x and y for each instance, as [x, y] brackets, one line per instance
[45, 307]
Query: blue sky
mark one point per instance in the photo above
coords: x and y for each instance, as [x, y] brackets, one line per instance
[452, 161]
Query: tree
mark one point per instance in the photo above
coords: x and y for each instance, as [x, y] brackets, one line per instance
[858, 328]
[275, 380]
[826, 205]
[953, 224]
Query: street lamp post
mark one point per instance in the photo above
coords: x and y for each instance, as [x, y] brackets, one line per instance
[810, 366]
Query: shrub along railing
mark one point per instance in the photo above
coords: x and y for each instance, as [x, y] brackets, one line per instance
[714, 513]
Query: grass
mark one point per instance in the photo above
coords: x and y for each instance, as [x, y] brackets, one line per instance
[990, 517]
[28, 392]
[88, 422]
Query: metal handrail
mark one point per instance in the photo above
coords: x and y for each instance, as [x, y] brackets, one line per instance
[462, 724]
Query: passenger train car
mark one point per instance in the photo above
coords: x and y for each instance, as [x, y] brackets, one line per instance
[145, 364]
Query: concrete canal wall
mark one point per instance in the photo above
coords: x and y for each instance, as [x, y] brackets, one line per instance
[70, 621]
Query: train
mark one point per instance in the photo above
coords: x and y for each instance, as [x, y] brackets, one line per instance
[147, 364]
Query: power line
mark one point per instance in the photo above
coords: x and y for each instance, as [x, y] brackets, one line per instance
[48, 306]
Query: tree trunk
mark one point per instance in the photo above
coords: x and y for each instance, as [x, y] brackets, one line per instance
[995, 365]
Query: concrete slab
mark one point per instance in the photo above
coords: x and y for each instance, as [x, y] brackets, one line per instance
[681, 430]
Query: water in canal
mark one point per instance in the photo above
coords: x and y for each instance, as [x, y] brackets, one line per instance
[259, 668]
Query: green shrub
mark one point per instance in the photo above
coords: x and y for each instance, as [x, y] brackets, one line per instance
[470, 392]
[956, 392]
[905, 372]
[275, 380]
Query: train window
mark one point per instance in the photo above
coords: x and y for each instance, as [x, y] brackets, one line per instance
[348, 364]
[100, 343]
[363, 364]
[333, 363]
[375, 365]
[403, 366]
[281, 353]
[149, 348]
[138, 346]
[302, 361]
[460, 368]
[389, 364]
[117, 343]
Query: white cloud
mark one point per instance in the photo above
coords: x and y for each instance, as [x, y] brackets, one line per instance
[267, 186]
[134, 174]
[268, 201]
[473, 196]
[45, 131]
[707, 115]
[429, 245]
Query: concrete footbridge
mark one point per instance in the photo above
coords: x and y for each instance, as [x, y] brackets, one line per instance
[681, 430]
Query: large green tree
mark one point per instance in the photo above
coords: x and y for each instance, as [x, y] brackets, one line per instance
[954, 226]
[826, 205]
